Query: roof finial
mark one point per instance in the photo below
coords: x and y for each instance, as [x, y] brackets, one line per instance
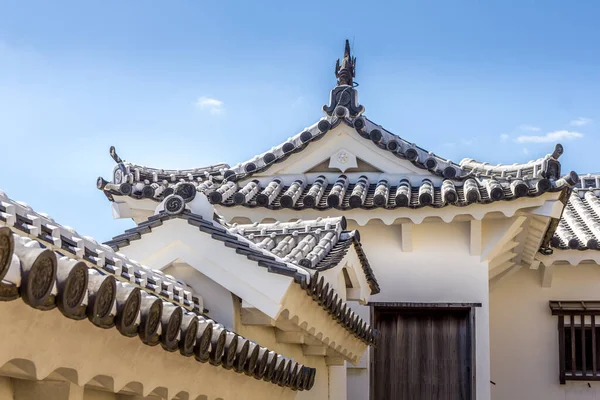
[345, 72]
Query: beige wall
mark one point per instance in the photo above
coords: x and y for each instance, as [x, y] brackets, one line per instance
[50, 344]
[24, 389]
[439, 268]
[265, 336]
[524, 336]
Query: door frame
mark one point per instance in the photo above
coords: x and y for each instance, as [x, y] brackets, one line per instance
[469, 307]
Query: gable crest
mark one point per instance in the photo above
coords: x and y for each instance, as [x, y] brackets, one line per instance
[343, 160]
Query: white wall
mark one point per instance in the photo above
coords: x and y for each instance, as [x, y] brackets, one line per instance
[438, 269]
[217, 299]
[524, 336]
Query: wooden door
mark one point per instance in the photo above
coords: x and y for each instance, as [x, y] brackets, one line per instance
[422, 355]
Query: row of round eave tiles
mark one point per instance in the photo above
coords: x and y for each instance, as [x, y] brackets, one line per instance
[453, 196]
[327, 297]
[42, 271]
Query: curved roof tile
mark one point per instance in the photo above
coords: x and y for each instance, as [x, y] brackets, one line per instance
[313, 283]
[579, 226]
[50, 266]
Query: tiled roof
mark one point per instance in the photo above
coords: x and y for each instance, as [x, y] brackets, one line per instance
[347, 193]
[50, 266]
[579, 227]
[464, 183]
[314, 285]
[344, 193]
[145, 177]
[546, 167]
[315, 244]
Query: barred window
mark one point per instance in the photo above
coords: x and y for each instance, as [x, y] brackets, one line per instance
[578, 335]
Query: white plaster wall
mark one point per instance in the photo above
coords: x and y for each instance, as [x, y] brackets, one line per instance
[358, 375]
[178, 241]
[524, 336]
[358, 384]
[438, 269]
[217, 299]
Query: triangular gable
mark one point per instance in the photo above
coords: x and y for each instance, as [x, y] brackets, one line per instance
[342, 149]
[360, 139]
[185, 230]
[343, 161]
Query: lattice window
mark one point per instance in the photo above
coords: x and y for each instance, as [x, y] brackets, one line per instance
[578, 336]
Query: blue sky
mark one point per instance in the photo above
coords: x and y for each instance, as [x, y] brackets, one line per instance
[188, 83]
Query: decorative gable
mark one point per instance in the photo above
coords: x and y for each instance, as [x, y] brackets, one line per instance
[343, 161]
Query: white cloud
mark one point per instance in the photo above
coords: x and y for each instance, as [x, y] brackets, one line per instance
[580, 121]
[467, 142]
[504, 137]
[550, 137]
[213, 106]
[525, 150]
[300, 101]
[529, 128]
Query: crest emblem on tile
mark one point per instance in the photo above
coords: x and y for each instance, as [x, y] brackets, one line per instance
[343, 160]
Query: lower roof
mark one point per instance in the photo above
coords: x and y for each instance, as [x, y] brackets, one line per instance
[318, 244]
[310, 281]
[85, 280]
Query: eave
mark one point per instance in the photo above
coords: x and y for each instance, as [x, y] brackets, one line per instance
[49, 270]
[315, 288]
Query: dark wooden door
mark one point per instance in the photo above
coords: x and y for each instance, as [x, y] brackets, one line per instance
[422, 355]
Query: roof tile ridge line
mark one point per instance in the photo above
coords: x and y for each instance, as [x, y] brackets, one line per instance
[419, 156]
[245, 174]
[291, 138]
[466, 161]
[412, 144]
[119, 160]
[546, 243]
[101, 268]
[555, 155]
[369, 273]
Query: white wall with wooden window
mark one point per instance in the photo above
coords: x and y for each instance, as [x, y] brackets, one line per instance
[524, 335]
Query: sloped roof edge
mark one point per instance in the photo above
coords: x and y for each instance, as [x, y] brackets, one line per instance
[34, 266]
[314, 286]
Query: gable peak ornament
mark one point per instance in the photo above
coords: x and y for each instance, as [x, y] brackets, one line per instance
[343, 100]
[344, 72]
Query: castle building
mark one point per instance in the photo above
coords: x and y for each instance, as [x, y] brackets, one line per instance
[361, 267]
